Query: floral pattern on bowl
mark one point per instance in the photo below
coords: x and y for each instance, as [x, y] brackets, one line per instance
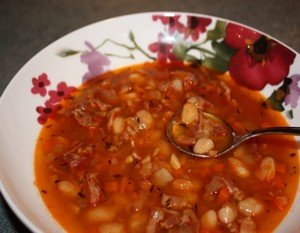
[252, 58]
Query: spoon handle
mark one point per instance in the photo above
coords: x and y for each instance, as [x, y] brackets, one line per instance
[259, 132]
[271, 130]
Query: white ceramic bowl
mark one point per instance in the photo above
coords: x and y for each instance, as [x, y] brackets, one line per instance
[60, 63]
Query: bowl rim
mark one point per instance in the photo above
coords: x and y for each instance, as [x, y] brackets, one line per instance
[3, 187]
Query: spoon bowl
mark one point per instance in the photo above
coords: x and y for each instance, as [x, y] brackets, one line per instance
[234, 139]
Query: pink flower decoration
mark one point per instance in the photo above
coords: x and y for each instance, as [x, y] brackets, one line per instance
[97, 62]
[163, 50]
[39, 84]
[44, 112]
[196, 26]
[61, 92]
[294, 92]
[171, 21]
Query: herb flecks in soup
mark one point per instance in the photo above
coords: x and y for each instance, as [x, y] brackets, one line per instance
[103, 162]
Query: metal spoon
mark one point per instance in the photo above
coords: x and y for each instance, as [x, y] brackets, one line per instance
[236, 139]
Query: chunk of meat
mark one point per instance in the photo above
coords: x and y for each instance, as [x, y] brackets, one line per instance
[188, 79]
[234, 190]
[190, 219]
[199, 101]
[133, 125]
[213, 187]
[143, 169]
[96, 103]
[173, 221]
[217, 183]
[109, 96]
[181, 229]
[96, 194]
[170, 222]
[76, 157]
[153, 105]
[156, 217]
[174, 203]
[85, 118]
[91, 112]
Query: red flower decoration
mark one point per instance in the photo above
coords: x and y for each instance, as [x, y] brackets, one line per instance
[163, 50]
[39, 84]
[196, 26]
[44, 112]
[62, 91]
[172, 22]
[258, 60]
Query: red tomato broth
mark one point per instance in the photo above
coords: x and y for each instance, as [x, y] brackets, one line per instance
[117, 171]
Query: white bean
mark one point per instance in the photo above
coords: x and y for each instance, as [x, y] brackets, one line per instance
[228, 212]
[130, 97]
[137, 222]
[67, 188]
[154, 94]
[134, 76]
[247, 226]
[144, 117]
[182, 184]
[203, 145]
[118, 125]
[163, 149]
[209, 220]
[197, 100]
[140, 201]
[137, 78]
[174, 161]
[193, 100]
[100, 214]
[281, 202]
[238, 168]
[189, 113]
[266, 170]
[162, 177]
[111, 228]
[250, 207]
[129, 159]
[112, 115]
[243, 154]
[177, 84]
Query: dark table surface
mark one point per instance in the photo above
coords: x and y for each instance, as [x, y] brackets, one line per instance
[28, 26]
